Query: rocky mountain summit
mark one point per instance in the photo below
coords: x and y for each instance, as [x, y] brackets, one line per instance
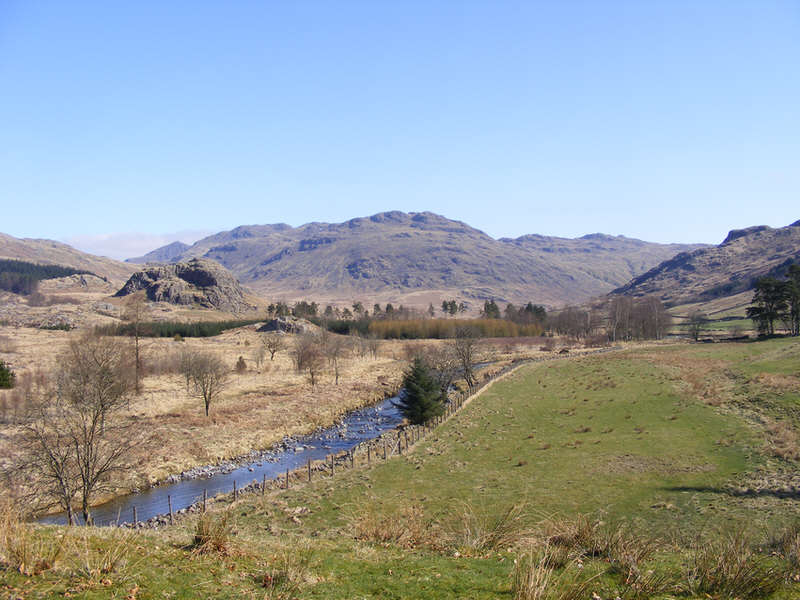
[197, 282]
[720, 271]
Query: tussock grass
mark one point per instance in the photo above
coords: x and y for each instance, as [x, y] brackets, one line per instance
[90, 560]
[474, 531]
[23, 548]
[288, 573]
[729, 567]
[213, 533]
[535, 577]
[408, 527]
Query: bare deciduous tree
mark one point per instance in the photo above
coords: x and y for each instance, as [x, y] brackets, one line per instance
[695, 324]
[465, 348]
[259, 354]
[335, 348]
[73, 438]
[206, 374]
[307, 355]
[273, 344]
[135, 313]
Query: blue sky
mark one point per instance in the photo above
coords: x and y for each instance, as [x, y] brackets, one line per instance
[126, 125]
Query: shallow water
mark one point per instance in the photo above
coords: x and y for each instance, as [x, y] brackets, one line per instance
[356, 427]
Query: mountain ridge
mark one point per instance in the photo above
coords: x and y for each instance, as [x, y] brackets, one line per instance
[419, 257]
[725, 270]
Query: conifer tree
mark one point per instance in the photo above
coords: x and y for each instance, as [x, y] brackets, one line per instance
[7, 377]
[421, 398]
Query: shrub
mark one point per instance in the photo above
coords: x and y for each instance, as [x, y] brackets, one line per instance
[7, 377]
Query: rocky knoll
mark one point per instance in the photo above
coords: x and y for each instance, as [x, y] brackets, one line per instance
[197, 282]
[720, 271]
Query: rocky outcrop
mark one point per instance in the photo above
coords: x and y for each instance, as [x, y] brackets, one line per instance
[197, 282]
[285, 325]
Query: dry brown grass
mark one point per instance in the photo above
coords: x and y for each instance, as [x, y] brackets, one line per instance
[783, 441]
[474, 532]
[728, 567]
[256, 410]
[535, 577]
[23, 548]
[213, 533]
[408, 527]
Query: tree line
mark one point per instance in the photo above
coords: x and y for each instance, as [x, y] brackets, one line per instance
[22, 277]
[621, 318]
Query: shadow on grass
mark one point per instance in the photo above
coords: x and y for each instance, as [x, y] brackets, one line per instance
[793, 494]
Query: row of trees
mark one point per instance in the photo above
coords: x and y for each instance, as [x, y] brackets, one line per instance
[621, 319]
[777, 300]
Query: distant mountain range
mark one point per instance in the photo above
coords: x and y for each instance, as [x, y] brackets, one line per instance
[720, 271]
[416, 258]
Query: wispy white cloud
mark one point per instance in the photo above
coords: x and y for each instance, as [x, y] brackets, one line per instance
[130, 245]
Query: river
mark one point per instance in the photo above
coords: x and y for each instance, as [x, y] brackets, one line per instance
[356, 427]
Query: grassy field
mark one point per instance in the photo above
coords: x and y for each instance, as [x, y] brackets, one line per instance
[656, 472]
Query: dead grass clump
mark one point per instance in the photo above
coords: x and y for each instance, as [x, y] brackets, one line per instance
[92, 559]
[213, 533]
[783, 441]
[408, 528]
[786, 543]
[289, 571]
[473, 531]
[728, 567]
[24, 549]
[581, 535]
[535, 577]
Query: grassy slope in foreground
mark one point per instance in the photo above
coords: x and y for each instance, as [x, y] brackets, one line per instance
[627, 437]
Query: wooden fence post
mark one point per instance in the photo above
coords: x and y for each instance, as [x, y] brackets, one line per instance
[333, 466]
[169, 502]
[384, 448]
[309, 470]
[235, 494]
[264, 484]
[352, 459]
[369, 454]
[135, 520]
[287, 479]
[205, 497]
